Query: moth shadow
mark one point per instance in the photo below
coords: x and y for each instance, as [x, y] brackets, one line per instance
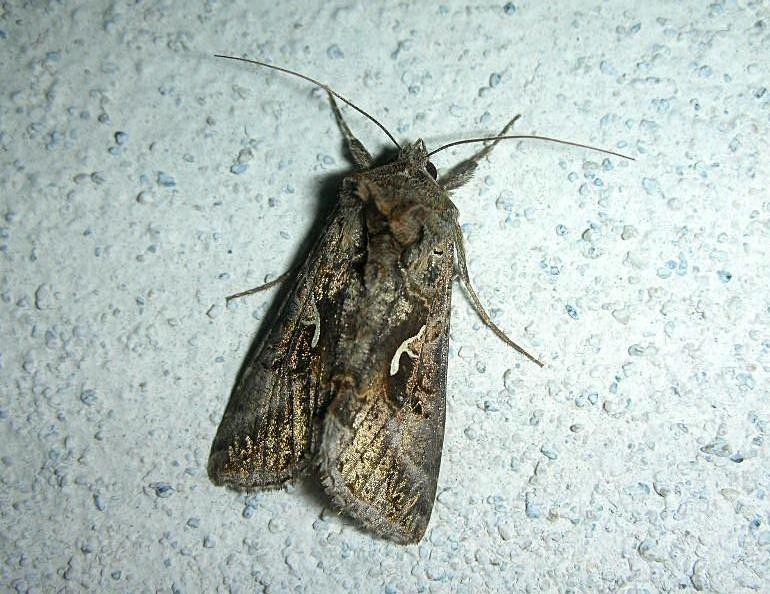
[309, 488]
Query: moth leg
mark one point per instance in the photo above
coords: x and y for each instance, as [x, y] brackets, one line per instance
[461, 173]
[477, 302]
[264, 287]
[361, 156]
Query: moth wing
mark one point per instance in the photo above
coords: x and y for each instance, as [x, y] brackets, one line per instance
[380, 453]
[271, 425]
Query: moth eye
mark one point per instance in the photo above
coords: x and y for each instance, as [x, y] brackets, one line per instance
[431, 169]
[438, 252]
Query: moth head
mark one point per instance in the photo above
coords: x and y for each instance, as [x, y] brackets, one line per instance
[417, 155]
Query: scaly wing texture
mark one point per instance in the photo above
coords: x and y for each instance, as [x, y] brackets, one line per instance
[383, 433]
[271, 426]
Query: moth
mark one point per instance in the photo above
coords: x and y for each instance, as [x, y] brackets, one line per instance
[352, 374]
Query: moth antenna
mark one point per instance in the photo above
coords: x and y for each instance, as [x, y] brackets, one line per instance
[531, 137]
[315, 82]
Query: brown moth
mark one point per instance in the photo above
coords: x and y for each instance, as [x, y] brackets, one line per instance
[352, 374]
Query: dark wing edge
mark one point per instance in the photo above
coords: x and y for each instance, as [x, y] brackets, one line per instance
[380, 462]
[271, 425]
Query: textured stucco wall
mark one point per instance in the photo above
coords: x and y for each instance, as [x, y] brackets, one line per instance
[142, 180]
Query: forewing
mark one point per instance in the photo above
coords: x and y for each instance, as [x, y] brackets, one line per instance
[272, 423]
[383, 433]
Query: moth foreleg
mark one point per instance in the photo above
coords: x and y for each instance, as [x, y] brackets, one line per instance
[361, 156]
[461, 173]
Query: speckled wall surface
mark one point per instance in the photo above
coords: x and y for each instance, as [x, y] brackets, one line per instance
[143, 180]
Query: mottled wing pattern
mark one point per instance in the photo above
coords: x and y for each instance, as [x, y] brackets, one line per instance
[271, 426]
[383, 433]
